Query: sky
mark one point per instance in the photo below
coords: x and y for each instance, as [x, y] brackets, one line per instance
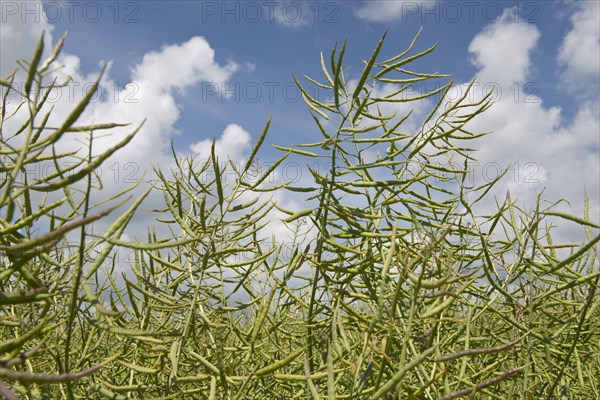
[199, 71]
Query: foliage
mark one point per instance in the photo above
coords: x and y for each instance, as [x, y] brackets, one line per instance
[404, 292]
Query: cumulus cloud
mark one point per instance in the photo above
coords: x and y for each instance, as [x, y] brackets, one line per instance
[150, 95]
[153, 82]
[233, 143]
[579, 53]
[181, 66]
[502, 51]
[547, 151]
[19, 36]
[386, 11]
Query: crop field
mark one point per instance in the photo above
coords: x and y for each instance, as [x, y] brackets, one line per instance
[394, 286]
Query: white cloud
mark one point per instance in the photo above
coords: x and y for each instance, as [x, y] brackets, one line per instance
[19, 37]
[174, 67]
[580, 49]
[180, 66]
[502, 50]
[551, 153]
[386, 10]
[233, 143]
[151, 95]
[154, 81]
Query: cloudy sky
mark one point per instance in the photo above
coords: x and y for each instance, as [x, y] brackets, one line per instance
[203, 70]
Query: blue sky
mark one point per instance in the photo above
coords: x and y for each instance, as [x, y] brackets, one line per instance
[272, 40]
[542, 55]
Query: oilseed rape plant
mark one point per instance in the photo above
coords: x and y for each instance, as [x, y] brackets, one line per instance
[401, 289]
